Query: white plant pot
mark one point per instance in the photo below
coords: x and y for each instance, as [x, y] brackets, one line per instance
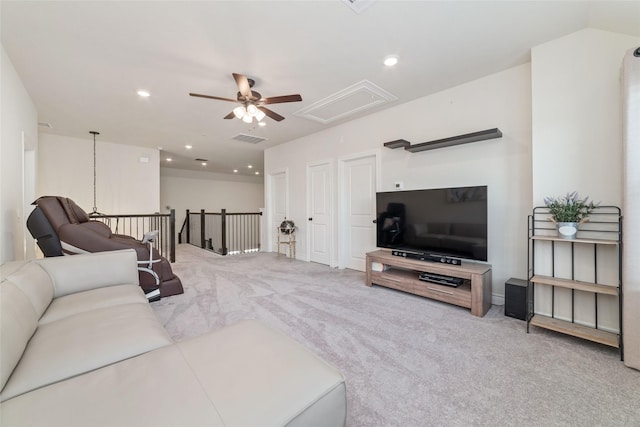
[567, 230]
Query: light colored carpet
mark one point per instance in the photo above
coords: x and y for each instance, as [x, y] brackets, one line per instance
[408, 361]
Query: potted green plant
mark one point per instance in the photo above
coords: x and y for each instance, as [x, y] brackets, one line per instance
[569, 212]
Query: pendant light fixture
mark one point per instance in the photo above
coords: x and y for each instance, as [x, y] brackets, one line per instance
[95, 209]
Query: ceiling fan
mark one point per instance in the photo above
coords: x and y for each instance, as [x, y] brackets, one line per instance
[252, 104]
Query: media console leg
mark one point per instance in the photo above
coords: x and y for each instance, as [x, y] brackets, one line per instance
[368, 271]
[480, 293]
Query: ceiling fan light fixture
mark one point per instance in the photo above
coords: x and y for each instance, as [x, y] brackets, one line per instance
[239, 111]
[252, 110]
[259, 115]
[247, 118]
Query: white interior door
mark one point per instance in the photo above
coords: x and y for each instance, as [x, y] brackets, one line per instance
[320, 194]
[358, 186]
[279, 205]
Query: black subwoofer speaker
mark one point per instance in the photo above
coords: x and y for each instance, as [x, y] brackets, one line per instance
[515, 298]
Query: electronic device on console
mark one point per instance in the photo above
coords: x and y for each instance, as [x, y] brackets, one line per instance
[422, 256]
[440, 225]
[441, 279]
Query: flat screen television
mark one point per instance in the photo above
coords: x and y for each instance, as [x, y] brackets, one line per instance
[444, 221]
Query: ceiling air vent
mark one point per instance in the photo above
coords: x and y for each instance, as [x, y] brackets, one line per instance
[358, 5]
[44, 125]
[201, 160]
[248, 138]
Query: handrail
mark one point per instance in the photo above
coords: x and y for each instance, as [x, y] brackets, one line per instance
[226, 233]
[136, 225]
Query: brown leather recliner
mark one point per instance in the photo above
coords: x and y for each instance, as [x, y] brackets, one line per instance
[61, 227]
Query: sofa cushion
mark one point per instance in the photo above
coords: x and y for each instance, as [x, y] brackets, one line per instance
[82, 302]
[18, 321]
[70, 274]
[257, 376]
[36, 283]
[83, 342]
[243, 375]
[152, 390]
[10, 267]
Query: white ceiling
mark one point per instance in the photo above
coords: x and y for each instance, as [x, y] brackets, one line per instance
[83, 61]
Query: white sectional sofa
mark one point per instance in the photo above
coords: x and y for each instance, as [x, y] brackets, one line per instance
[80, 346]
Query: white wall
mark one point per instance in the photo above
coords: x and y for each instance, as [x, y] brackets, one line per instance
[502, 100]
[19, 140]
[577, 143]
[125, 184]
[193, 190]
[576, 118]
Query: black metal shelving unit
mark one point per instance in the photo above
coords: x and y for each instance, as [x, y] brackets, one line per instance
[602, 232]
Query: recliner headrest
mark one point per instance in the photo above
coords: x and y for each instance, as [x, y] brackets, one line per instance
[79, 213]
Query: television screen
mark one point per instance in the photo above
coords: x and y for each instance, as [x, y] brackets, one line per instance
[444, 221]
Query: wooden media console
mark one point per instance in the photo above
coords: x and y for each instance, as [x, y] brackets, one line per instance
[403, 274]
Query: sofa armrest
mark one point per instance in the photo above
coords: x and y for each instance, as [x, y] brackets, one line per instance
[78, 273]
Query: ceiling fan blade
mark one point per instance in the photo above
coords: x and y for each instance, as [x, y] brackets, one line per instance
[275, 116]
[230, 115]
[213, 97]
[243, 84]
[281, 99]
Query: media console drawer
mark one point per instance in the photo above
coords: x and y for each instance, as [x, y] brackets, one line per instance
[403, 274]
[458, 296]
[394, 281]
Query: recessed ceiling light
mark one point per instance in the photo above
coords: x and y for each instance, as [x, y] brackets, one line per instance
[257, 173]
[188, 147]
[169, 159]
[144, 93]
[250, 166]
[262, 124]
[235, 171]
[390, 61]
[204, 163]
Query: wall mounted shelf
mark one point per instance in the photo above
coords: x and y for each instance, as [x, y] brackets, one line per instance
[398, 143]
[445, 142]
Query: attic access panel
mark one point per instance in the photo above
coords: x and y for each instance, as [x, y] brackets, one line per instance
[351, 100]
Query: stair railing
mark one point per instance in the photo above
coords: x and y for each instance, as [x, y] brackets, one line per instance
[136, 225]
[225, 233]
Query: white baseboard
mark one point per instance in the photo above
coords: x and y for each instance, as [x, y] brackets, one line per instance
[497, 299]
